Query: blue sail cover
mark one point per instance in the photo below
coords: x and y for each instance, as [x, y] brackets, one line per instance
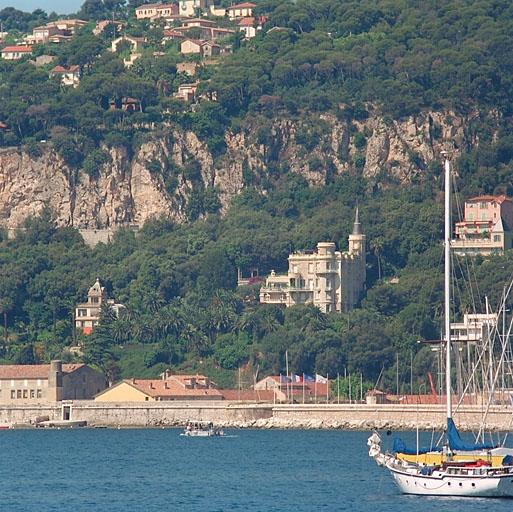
[456, 443]
[400, 447]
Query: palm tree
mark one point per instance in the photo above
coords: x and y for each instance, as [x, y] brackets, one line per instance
[377, 246]
[6, 305]
[153, 301]
[54, 304]
[70, 305]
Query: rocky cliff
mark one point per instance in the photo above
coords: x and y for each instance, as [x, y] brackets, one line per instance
[155, 181]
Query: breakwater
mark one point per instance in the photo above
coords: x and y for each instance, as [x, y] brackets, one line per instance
[261, 415]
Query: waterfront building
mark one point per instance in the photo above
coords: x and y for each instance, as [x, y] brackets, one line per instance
[87, 314]
[329, 279]
[40, 383]
[486, 228]
[168, 387]
[285, 390]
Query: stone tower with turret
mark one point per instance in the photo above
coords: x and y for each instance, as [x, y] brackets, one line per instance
[354, 267]
[332, 280]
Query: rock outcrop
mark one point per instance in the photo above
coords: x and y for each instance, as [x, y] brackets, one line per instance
[153, 182]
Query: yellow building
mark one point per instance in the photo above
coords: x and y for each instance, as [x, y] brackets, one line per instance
[169, 387]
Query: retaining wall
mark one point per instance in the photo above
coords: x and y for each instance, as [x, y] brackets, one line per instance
[244, 415]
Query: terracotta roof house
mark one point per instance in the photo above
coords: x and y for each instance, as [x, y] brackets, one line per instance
[240, 10]
[169, 387]
[250, 26]
[486, 227]
[48, 382]
[70, 75]
[3, 126]
[16, 52]
[155, 10]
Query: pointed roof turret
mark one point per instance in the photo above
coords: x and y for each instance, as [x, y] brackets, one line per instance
[357, 228]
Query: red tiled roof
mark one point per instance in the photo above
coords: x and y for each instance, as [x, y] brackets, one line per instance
[169, 33]
[170, 388]
[31, 371]
[3, 125]
[244, 5]
[151, 6]
[246, 22]
[498, 199]
[17, 49]
[62, 69]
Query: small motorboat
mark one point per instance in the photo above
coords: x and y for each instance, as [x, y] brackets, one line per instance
[199, 429]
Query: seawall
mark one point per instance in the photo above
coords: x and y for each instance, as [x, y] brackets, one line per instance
[250, 415]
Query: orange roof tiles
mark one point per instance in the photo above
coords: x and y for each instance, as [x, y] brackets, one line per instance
[8, 49]
[171, 389]
[498, 199]
[244, 5]
[32, 371]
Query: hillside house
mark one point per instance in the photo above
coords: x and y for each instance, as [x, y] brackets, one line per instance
[240, 10]
[486, 227]
[41, 35]
[70, 75]
[136, 43]
[87, 314]
[186, 92]
[250, 26]
[204, 48]
[16, 52]
[40, 383]
[329, 279]
[155, 11]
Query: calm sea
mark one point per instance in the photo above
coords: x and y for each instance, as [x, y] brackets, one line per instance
[158, 470]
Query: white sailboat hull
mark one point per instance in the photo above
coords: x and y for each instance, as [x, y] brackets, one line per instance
[454, 485]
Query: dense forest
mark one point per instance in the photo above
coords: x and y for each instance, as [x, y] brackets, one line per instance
[178, 281]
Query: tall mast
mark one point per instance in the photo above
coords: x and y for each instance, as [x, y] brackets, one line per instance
[447, 283]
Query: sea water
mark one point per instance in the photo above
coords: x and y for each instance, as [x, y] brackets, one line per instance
[150, 470]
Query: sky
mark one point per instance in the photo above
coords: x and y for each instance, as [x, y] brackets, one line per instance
[59, 6]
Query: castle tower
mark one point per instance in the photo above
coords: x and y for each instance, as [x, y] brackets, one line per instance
[357, 238]
[353, 267]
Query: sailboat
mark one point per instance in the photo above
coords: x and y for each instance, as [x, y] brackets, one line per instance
[461, 469]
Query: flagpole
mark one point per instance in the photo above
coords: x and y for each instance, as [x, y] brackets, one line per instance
[338, 389]
[287, 365]
[349, 387]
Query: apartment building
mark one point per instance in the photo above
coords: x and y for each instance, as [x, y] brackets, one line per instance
[486, 228]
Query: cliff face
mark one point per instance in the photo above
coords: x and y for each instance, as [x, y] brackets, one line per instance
[132, 190]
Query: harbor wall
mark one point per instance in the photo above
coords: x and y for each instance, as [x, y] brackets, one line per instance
[251, 415]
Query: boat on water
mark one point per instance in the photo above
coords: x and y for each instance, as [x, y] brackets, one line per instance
[461, 469]
[199, 429]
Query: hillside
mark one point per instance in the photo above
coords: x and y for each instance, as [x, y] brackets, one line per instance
[332, 104]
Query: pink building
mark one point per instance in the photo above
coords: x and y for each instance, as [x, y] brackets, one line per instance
[486, 228]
